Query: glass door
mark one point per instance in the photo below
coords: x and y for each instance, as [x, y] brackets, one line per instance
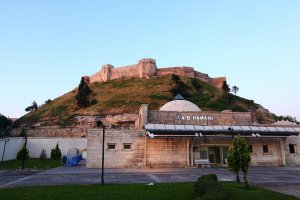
[214, 155]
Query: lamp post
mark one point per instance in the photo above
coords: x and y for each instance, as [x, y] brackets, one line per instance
[231, 131]
[100, 124]
[5, 141]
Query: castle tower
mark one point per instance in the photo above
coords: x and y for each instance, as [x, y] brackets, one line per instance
[106, 72]
[147, 68]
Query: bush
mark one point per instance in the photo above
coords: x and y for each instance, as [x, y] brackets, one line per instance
[93, 102]
[43, 155]
[207, 187]
[197, 85]
[23, 154]
[56, 153]
[175, 78]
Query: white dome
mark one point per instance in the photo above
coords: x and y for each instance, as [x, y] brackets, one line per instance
[180, 105]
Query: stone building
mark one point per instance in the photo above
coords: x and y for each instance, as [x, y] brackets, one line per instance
[179, 133]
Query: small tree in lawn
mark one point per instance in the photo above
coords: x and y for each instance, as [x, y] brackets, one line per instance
[56, 153]
[239, 158]
[235, 89]
[43, 155]
[23, 154]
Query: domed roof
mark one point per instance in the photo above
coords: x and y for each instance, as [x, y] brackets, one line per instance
[179, 104]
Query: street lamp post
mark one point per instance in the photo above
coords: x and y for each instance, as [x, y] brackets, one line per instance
[100, 124]
[5, 141]
[102, 170]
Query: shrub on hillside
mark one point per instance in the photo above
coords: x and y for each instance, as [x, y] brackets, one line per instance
[207, 187]
[93, 102]
[56, 153]
[197, 85]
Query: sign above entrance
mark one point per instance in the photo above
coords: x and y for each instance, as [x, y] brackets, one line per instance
[194, 117]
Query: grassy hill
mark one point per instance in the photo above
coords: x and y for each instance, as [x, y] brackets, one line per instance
[126, 95]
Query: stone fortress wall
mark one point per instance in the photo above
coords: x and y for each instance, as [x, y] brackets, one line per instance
[146, 68]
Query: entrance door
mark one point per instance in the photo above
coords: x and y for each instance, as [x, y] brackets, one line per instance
[214, 155]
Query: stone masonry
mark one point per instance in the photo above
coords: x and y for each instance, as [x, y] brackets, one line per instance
[146, 68]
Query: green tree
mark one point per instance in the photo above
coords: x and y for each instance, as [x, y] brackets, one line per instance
[33, 107]
[4, 122]
[225, 87]
[23, 154]
[180, 87]
[82, 96]
[43, 155]
[235, 89]
[239, 158]
[197, 85]
[56, 153]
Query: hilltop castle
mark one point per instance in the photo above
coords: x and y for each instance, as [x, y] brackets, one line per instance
[146, 68]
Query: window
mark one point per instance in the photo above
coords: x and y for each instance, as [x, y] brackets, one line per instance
[265, 149]
[127, 146]
[250, 148]
[111, 146]
[292, 148]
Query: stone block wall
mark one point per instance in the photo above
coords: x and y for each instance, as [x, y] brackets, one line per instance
[54, 132]
[119, 157]
[146, 68]
[180, 71]
[213, 118]
[293, 159]
[171, 152]
[276, 155]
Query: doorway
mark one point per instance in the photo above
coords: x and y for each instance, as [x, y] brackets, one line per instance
[215, 154]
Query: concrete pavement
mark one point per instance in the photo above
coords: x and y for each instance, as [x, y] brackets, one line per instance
[281, 179]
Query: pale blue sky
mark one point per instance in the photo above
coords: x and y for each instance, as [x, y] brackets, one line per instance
[46, 46]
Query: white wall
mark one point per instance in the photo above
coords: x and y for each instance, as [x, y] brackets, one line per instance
[11, 149]
[36, 145]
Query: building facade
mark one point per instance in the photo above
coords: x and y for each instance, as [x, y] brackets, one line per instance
[179, 134]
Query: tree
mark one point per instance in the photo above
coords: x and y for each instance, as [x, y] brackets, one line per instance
[235, 89]
[180, 87]
[4, 122]
[48, 101]
[43, 155]
[56, 153]
[33, 107]
[239, 158]
[23, 154]
[197, 85]
[82, 96]
[225, 87]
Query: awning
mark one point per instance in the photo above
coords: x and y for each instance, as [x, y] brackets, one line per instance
[220, 130]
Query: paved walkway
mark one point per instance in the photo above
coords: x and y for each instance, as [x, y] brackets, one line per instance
[281, 179]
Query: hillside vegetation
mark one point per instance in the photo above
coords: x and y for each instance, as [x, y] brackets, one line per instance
[126, 95]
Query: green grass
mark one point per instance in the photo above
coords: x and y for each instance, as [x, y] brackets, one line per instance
[235, 191]
[163, 191]
[30, 164]
[125, 95]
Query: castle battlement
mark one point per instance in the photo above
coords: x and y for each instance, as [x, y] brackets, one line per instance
[146, 68]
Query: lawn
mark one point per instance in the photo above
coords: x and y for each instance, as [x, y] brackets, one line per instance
[163, 191]
[30, 164]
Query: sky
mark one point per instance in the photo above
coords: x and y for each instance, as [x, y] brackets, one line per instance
[46, 46]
